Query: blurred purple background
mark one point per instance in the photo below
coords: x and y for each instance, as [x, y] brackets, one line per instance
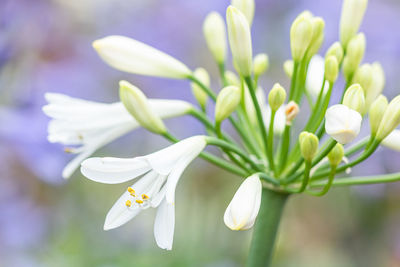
[45, 46]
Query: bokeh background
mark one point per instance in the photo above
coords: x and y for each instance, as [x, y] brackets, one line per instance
[45, 45]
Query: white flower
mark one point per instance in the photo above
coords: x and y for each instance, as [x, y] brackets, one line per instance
[243, 209]
[156, 188]
[315, 76]
[279, 121]
[342, 123]
[392, 141]
[132, 56]
[87, 125]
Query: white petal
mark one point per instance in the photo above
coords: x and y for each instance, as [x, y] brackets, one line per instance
[164, 225]
[315, 76]
[113, 170]
[132, 56]
[169, 108]
[280, 119]
[392, 141]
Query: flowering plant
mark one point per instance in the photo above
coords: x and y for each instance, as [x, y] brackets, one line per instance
[276, 166]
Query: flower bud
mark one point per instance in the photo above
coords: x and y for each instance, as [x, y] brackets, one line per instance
[137, 104]
[132, 56]
[240, 41]
[317, 36]
[276, 97]
[376, 111]
[301, 34]
[335, 156]
[390, 119]
[315, 76]
[243, 209]
[291, 111]
[246, 7]
[331, 69]
[215, 34]
[260, 64]
[354, 98]
[354, 55]
[201, 96]
[227, 101]
[231, 78]
[392, 141]
[363, 76]
[288, 68]
[377, 84]
[308, 145]
[342, 123]
[336, 50]
[352, 14]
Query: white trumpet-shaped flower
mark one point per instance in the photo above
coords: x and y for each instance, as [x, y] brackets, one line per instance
[342, 123]
[132, 56]
[315, 76]
[243, 209]
[392, 141]
[159, 172]
[85, 126]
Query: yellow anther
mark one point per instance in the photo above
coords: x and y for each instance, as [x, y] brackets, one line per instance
[139, 201]
[128, 203]
[144, 196]
[130, 190]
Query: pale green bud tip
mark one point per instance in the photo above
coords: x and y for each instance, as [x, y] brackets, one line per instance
[288, 68]
[215, 34]
[364, 76]
[246, 7]
[240, 41]
[276, 97]
[227, 101]
[308, 145]
[354, 98]
[331, 69]
[376, 111]
[318, 26]
[335, 156]
[354, 55]
[201, 96]
[232, 78]
[138, 106]
[261, 64]
[301, 34]
[352, 14]
[390, 119]
[336, 50]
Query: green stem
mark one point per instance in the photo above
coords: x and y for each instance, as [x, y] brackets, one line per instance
[327, 186]
[270, 144]
[376, 179]
[221, 68]
[266, 228]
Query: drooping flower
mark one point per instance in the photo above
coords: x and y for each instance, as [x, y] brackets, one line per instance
[85, 126]
[342, 123]
[159, 172]
[243, 209]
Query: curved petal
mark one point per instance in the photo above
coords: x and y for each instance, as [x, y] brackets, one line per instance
[392, 141]
[164, 225]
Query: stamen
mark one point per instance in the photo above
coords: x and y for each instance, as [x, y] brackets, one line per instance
[130, 190]
[139, 201]
[128, 203]
[144, 196]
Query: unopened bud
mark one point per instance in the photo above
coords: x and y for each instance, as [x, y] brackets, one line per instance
[301, 34]
[336, 50]
[377, 84]
[354, 55]
[331, 69]
[352, 14]
[354, 98]
[288, 68]
[335, 156]
[201, 96]
[378, 108]
[246, 7]
[240, 40]
[317, 36]
[364, 76]
[260, 64]
[291, 111]
[137, 104]
[215, 34]
[276, 97]
[231, 78]
[308, 145]
[227, 101]
[390, 119]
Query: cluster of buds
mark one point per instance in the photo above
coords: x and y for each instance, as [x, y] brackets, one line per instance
[262, 149]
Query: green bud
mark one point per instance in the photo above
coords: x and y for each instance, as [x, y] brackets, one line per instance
[352, 14]
[378, 108]
[231, 78]
[354, 55]
[301, 34]
[227, 101]
[308, 145]
[201, 96]
[136, 103]
[335, 156]
[276, 97]
[336, 50]
[377, 84]
[354, 98]
[331, 69]
[390, 119]
[288, 67]
[215, 34]
[317, 36]
[260, 64]
[246, 7]
[364, 76]
[240, 41]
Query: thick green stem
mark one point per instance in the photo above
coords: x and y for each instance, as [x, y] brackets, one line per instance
[266, 228]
